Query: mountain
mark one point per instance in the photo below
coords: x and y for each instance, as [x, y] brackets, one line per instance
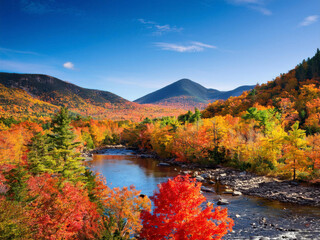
[188, 93]
[51, 93]
[56, 91]
[296, 92]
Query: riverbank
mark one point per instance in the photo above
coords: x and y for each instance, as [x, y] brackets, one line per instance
[241, 182]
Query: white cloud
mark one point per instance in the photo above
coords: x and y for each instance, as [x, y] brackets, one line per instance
[143, 21]
[159, 29]
[257, 5]
[192, 47]
[262, 10]
[8, 50]
[68, 65]
[200, 44]
[309, 20]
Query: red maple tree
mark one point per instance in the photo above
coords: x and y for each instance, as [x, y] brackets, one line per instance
[61, 212]
[178, 213]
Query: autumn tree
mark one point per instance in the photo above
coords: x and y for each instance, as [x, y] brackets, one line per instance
[13, 220]
[294, 152]
[178, 213]
[61, 211]
[314, 153]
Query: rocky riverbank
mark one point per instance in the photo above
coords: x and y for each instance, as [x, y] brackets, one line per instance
[241, 182]
[261, 186]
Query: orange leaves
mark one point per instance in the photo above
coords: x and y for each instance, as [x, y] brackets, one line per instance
[122, 207]
[192, 144]
[313, 111]
[178, 214]
[18, 103]
[314, 154]
[295, 150]
[161, 140]
[14, 140]
[61, 212]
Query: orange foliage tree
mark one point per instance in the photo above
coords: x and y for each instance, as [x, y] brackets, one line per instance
[314, 153]
[295, 151]
[121, 208]
[14, 140]
[178, 214]
[61, 212]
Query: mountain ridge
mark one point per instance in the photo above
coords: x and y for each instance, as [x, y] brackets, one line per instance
[188, 92]
[45, 86]
[56, 92]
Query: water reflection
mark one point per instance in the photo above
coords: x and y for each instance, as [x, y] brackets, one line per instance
[125, 170]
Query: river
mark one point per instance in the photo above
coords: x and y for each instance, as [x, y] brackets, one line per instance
[255, 218]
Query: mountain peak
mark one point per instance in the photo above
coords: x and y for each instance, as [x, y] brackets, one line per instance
[187, 92]
[184, 80]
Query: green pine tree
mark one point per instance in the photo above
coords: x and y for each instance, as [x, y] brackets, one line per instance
[70, 164]
[40, 156]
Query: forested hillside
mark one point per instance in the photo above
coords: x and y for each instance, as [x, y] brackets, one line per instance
[17, 103]
[295, 95]
[28, 95]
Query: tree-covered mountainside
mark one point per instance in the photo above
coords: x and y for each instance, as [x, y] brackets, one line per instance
[295, 94]
[26, 95]
[58, 92]
[15, 102]
[188, 94]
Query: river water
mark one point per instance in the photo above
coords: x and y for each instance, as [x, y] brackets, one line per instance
[255, 218]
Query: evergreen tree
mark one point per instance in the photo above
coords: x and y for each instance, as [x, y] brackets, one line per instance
[64, 147]
[185, 117]
[16, 179]
[196, 116]
[40, 157]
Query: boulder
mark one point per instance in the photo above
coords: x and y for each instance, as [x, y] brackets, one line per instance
[206, 189]
[222, 201]
[199, 178]
[206, 175]
[236, 193]
[228, 191]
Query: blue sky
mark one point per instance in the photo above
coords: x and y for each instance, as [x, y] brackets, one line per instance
[133, 47]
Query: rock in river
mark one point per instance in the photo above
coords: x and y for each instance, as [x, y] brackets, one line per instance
[236, 193]
[206, 189]
[199, 179]
[223, 202]
[228, 191]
